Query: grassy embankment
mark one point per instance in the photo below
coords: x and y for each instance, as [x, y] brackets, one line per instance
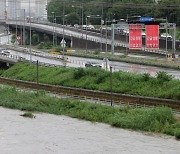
[163, 86]
[154, 119]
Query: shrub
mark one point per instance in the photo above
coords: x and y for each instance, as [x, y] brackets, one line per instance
[177, 134]
[40, 45]
[163, 76]
[146, 77]
[28, 115]
[58, 48]
[78, 73]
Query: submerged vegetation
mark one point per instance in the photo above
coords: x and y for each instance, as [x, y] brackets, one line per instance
[152, 119]
[28, 115]
[162, 86]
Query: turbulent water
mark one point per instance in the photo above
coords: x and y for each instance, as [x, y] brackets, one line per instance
[50, 134]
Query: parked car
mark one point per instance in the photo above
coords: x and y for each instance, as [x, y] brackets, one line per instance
[93, 64]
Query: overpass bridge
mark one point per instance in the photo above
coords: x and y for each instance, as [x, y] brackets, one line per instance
[84, 39]
[9, 59]
[78, 38]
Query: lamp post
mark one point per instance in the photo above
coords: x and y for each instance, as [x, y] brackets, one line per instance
[53, 26]
[23, 24]
[30, 32]
[86, 33]
[111, 83]
[93, 16]
[63, 32]
[82, 16]
[16, 23]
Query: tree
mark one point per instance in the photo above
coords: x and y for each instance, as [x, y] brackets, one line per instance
[112, 9]
[35, 39]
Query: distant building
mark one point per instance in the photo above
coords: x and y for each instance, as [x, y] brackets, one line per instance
[15, 9]
[41, 12]
[12, 8]
[2, 8]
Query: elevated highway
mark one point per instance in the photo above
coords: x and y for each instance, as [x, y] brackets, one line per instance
[85, 39]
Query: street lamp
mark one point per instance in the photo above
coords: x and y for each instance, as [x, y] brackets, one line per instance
[82, 16]
[93, 16]
[30, 31]
[107, 32]
[63, 32]
[111, 83]
[23, 25]
[54, 21]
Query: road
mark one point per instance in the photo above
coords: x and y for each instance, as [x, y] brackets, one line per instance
[43, 57]
[80, 62]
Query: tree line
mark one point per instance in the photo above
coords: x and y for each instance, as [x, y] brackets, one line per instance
[71, 10]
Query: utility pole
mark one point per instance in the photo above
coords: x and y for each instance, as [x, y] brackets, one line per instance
[111, 83]
[112, 38]
[24, 37]
[53, 27]
[101, 46]
[63, 32]
[30, 32]
[37, 71]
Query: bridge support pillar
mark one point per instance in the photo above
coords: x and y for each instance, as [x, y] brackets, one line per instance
[7, 64]
[71, 42]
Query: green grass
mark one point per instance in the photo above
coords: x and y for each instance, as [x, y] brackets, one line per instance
[152, 119]
[162, 86]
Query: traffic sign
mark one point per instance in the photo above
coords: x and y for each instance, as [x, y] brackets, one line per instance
[63, 43]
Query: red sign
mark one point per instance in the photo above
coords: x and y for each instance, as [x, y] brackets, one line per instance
[18, 38]
[135, 36]
[152, 36]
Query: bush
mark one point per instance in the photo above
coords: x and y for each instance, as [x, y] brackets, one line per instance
[13, 39]
[58, 48]
[163, 76]
[78, 73]
[146, 77]
[177, 134]
[40, 45]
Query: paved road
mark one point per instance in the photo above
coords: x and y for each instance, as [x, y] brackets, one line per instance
[80, 62]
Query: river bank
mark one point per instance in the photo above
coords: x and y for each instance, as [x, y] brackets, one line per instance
[157, 119]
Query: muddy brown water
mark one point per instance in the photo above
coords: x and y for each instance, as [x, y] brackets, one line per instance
[51, 134]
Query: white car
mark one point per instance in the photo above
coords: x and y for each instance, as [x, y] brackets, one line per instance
[163, 35]
[93, 64]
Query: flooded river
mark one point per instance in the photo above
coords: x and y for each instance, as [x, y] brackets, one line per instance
[51, 134]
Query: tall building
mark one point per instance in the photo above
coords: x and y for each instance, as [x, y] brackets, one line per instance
[13, 8]
[2, 8]
[41, 11]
